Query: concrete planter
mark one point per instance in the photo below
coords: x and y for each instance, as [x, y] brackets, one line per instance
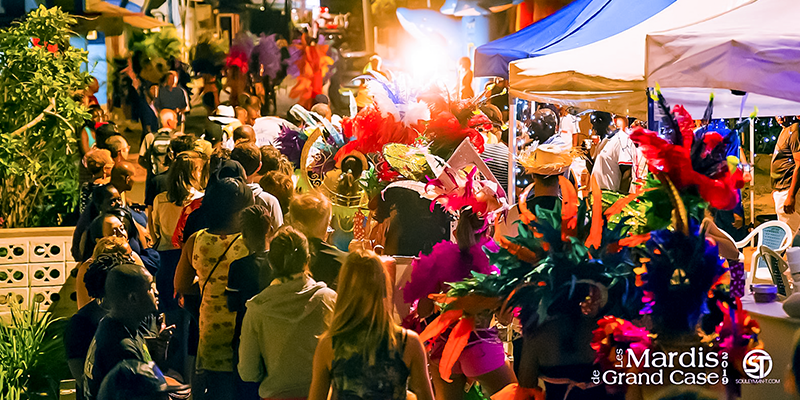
[35, 266]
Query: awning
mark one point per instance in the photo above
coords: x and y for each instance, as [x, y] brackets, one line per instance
[577, 24]
[136, 20]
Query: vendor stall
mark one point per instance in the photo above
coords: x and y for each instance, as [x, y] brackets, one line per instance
[608, 75]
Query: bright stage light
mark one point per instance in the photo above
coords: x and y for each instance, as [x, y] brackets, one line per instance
[429, 62]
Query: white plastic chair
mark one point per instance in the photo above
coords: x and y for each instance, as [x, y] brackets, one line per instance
[775, 235]
[777, 268]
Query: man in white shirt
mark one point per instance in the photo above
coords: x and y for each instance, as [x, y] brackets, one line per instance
[614, 166]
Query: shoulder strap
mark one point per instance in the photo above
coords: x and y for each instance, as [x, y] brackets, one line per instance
[219, 260]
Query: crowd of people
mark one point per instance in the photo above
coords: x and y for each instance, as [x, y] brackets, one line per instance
[234, 281]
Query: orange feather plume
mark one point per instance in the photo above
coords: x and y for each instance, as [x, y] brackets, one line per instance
[569, 208]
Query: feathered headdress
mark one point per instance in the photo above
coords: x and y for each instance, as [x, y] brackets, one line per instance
[395, 116]
[696, 161]
[453, 121]
[309, 64]
[558, 256]
[269, 56]
[677, 274]
[239, 53]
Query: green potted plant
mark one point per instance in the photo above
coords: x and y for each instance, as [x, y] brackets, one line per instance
[41, 82]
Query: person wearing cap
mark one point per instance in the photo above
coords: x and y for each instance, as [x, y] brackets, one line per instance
[138, 380]
[130, 298]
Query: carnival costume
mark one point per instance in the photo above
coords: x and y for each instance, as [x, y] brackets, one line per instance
[308, 63]
[672, 277]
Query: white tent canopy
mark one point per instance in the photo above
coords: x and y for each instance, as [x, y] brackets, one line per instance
[754, 48]
[608, 75]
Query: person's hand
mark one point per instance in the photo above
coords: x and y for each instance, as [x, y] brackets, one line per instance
[788, 205]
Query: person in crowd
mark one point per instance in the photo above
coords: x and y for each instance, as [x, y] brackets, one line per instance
[118, 147]
[89, 98]
[465, 73]
[246, 133]
[88, 140]
[158, 184]
[207, 256]
[785, 171]
[103, 132]
[99, 164]
[283, 322]
[483, 359]
[122, 178]
[310, 213]
[569, 126]
[364, 354]
[130, 298]
[115, 242]
[196, 215]
[148, 111]
[280, 186]
[91, 284]
[250, 275]
[410, 226]
[249, 157]
[558, 351]
[253, 110]
[323, 110]
[172, 97]
[154, 151]
[115, 222]
[614, 164]
[184, 184]
[273, 160]
[104, 198]
[185, 178]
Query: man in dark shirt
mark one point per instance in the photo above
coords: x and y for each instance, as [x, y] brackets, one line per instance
[172, 97]
[131, 299]
[311, 214]
[785, 172]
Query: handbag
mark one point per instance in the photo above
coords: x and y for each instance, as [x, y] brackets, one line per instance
[191, 302]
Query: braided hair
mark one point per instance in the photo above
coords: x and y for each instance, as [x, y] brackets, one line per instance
[96, 274]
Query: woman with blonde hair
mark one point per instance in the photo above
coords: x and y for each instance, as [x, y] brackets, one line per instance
[365, 354]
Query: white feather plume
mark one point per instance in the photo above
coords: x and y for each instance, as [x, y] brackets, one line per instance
[382, 100]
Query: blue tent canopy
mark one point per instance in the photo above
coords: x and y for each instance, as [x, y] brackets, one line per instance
[577, 24]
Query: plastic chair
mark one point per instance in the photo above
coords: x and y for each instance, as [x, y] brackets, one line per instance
[776, 236]
[777, 267]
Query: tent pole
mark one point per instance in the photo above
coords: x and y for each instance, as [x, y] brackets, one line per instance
[752, 171]
[512, 148]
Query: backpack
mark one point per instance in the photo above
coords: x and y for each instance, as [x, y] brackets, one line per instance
[157, 154]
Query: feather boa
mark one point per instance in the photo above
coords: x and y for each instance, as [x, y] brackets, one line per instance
[446, 263]
[290, 143]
